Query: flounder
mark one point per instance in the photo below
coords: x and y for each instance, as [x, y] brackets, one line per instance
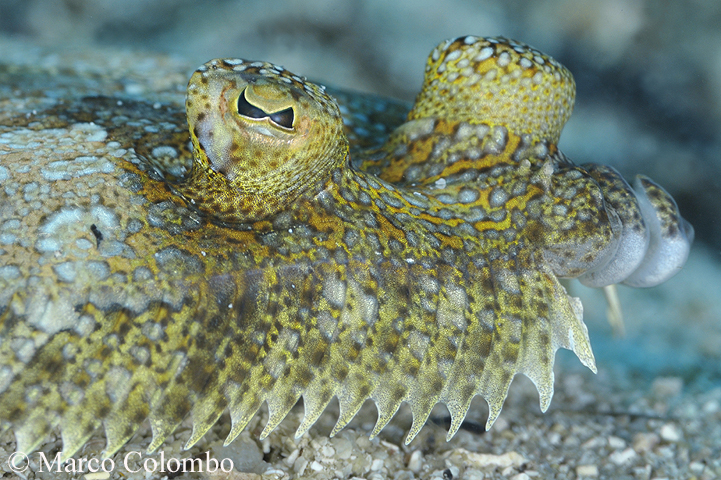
[289, 262]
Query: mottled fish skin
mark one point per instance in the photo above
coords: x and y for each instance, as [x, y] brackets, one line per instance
[275, 270]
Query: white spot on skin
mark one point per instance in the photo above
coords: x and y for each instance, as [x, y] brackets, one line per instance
[45, 245]
[468, 195]
[334, 291]
[66, 272]
[165, 151]
[498, 198]
[484, 54]
[24, 349]
[9, 272]
[503, 59]
[78, 167]
[454, 55]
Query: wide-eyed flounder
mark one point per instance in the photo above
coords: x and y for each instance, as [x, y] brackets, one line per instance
[420, 269]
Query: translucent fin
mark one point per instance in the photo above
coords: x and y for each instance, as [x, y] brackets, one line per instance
[350, 402]
[495, 393]
[205, 414]
[634, 235]
[387, 406]
[33, 431]
[671, 235]
[421, 409]
[241, 414]
[118, 430]
[314, 403]
[458, 404]
[75, 434]
[574, 337]
[162, 427]
[278, 408]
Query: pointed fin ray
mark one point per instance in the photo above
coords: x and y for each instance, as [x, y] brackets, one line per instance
[205, 413]
[162, 426]
[351, 399]
[117, 431]
[409, 300]
[434, 344]
[240, 414]
[387, 406]
[32, 432]
[315, 401]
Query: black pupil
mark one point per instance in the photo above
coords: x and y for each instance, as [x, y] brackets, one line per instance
[284, 118]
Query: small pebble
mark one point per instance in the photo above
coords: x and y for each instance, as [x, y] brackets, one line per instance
[377, 464]
[508, 459]
[642, 473]
[416, 461]
[587, 471]
[616, 442]
[300, 465]
[697, 467]
[363, 443]
[644, 442]
[670, 433]
[521, 476]
[290, 459]
[595, 442]
[452, 472]
[343, 448]
[667, 386]
[619, 457]
[327, 451]
[473, 474]
[712, 406]
[97, 476]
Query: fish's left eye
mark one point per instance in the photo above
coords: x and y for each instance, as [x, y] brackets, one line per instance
[284, 118]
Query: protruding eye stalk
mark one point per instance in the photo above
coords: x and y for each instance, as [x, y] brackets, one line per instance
[283, 118]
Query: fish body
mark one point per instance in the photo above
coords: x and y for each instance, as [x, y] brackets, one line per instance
[285, 261]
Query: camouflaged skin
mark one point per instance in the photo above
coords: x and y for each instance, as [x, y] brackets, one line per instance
[138, 285]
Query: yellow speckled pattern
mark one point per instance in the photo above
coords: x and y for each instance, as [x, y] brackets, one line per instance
[273, 269]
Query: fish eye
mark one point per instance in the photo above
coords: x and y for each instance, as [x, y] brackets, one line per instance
[247, 109]
[283, 118]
